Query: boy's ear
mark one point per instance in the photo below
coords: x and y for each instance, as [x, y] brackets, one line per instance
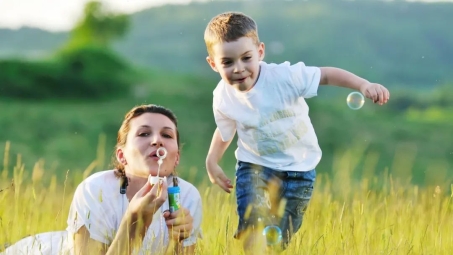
[261, 51]
[211, 63]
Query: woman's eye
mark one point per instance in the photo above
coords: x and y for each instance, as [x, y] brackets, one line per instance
[167, 136]
[143, 134]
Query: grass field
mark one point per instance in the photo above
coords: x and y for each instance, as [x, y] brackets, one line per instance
[344, 216]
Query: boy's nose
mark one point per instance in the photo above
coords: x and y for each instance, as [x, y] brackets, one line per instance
[238, 68]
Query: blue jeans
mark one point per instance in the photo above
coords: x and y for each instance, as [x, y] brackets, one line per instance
[260, 192]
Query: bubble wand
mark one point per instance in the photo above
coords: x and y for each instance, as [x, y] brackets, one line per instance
[153, 180]
[173, 192]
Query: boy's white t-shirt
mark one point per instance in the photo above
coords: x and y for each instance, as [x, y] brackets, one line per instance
[271, 119]
[99, 206]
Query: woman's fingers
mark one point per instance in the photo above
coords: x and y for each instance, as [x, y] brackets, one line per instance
[181, 216]
[156, 196]
[179, 223]
[180, 231]
[143, 190]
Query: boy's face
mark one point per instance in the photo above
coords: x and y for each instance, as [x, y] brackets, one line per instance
[237, 62]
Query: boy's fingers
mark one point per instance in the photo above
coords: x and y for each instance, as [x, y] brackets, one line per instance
[226, 182]
[224, 187]
[376, 95]
[370, 95]
[221, 179]
[381, 96]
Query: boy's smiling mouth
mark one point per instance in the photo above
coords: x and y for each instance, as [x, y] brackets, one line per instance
[241, 80]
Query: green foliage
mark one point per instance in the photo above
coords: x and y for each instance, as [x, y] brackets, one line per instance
[85, 73]
[95, 72]
[32, 80]
[99, 26]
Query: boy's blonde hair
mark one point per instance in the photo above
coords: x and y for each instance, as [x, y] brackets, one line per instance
[228, 27]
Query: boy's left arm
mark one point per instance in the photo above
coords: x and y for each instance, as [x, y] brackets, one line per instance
[339, 77]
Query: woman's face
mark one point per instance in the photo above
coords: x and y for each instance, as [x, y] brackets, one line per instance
[148, 132]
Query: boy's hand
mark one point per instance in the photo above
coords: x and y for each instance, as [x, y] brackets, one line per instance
[217, 176]
[376, 92]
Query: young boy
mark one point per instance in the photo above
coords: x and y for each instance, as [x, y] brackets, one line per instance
[277, 146]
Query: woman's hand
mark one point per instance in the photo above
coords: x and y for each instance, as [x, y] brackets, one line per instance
[138, 217]
[179, 223]
[147, 201]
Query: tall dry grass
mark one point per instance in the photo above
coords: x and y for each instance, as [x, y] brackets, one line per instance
[379, 214]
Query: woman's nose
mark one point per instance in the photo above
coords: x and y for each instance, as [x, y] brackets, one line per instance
[156, 140]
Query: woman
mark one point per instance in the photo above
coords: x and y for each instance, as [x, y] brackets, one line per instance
[119, 211]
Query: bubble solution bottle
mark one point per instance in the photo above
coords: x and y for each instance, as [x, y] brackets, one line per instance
[173, 196]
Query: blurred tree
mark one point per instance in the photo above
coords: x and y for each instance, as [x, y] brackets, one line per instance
[85, 68]
[98, 26]
[87, 72]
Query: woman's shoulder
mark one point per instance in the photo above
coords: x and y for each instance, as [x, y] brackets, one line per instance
[103, 180]
[185, 184]
[188, 188]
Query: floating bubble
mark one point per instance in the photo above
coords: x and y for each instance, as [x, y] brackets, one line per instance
[355, 100]
[273, 235]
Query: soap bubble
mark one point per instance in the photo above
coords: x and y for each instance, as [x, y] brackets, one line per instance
[355, 100]
[273, 235]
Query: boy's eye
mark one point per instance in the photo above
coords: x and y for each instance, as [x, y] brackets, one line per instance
[225, 63]
[247, 58]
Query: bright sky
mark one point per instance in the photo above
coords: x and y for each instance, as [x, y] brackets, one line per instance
[58, 15]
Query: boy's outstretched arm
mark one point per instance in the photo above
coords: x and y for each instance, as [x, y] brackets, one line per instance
[215, 154]
[336, 76]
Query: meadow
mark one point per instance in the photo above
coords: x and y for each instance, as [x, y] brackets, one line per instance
[384, 184]
[345, 216]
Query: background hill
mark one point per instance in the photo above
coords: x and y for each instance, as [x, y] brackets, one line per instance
[396, 43]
